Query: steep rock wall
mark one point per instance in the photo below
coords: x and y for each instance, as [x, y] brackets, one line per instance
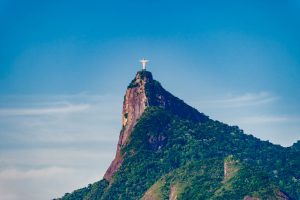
[135, 103]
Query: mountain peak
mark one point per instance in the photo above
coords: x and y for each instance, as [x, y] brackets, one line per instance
[141, 78]
[142, 92]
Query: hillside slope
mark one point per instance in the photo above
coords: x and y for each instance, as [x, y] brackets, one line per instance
[169, 150]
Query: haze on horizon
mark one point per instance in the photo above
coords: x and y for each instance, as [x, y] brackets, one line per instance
[65, 65]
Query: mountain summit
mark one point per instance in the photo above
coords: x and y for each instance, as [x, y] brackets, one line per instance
[144, 92]
[169, 150]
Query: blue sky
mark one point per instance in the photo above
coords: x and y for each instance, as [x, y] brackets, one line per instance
[65, 65]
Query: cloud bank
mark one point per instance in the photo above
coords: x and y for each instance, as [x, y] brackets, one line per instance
[55, 144]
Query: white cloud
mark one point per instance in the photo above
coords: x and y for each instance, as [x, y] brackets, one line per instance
[80, 157]
[264, 119]
[60, 119]
[14, 174]
[47, 173]
[244, 100]
[61, 109]
[43, 183]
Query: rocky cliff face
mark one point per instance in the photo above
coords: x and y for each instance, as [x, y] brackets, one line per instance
[135, 103]
[231, 167]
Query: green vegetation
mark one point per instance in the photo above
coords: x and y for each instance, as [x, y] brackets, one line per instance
[93, 191]
[165, 147]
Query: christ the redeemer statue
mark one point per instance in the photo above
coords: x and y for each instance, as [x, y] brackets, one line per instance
[144, 62]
